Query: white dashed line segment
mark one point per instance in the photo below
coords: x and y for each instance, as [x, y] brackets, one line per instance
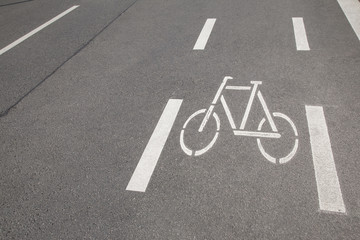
[328, 186]
[351, 9]
[20, 40]
[151, 154]
[300, 34]
[205, 34]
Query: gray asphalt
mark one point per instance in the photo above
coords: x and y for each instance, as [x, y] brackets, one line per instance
[70, 146]
[30, 63]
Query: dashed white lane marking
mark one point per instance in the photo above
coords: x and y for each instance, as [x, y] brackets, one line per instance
[151, 154]
[300, 34]
[328, 186]
[351, 9]
[20, 40]
[205, 34]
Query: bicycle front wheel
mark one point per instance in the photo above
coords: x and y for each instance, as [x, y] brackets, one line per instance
[196, 118]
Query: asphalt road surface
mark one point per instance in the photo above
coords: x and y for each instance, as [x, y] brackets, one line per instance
[192, 119]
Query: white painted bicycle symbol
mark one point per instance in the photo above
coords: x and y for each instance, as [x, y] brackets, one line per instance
[259, 134]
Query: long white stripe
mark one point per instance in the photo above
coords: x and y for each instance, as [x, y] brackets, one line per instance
[300, 34]
[205, 34]
[351, 9]
[151, 154]
[328, 186]
[13, 44]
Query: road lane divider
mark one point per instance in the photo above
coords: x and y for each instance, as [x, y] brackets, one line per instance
[351, 9]
[328, 186]
[205, 34]
[23, 38]
[153, 149]
[300, 34]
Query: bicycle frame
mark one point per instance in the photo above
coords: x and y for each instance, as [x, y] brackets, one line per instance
[254, 93]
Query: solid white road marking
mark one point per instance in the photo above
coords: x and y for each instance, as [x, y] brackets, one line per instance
[13, 44]
[351, 9]
[328, 186]
[205, 34]
[300, 34]
[151, 154]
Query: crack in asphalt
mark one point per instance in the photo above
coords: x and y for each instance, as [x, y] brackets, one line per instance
[4, 113]
[14, 3]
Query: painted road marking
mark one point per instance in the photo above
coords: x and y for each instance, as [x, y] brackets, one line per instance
[351, 9]
[205, 34]
[20, 40]
[255, 92]
[328, 186]
[300, 34]
[151, 154]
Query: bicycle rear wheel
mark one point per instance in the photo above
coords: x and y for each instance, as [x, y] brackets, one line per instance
[287, 156]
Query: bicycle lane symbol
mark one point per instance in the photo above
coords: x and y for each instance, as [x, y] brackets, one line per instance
[259, 134]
